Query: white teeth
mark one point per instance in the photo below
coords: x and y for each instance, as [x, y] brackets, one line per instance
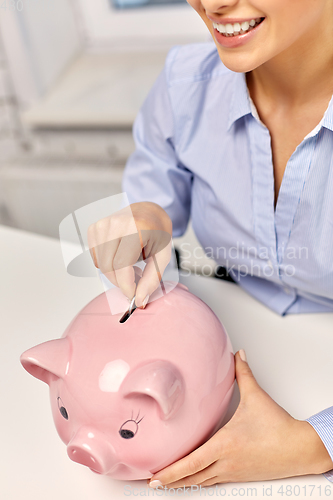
[230, 29]
[236, 28]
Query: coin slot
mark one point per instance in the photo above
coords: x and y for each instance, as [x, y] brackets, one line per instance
[126, 315]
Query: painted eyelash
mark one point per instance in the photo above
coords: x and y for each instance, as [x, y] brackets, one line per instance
[136, 419]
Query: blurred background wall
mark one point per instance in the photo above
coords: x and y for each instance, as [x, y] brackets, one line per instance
[73, 75]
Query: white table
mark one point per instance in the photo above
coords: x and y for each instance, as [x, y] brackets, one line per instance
[291, 358]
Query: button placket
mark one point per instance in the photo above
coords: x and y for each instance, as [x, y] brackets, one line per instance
[263, 188]
[292, 185]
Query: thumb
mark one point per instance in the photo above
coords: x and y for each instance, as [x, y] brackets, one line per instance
[152, 274]
[244, 376]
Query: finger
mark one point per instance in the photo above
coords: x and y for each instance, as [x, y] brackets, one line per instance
[104, 236]
[149, 282]
[101, 245]
[152, 274]
[111, 276]
[127, 254]
[196, 461]
[105, 253]
[126, 281]
[114, 227]
[205, 475]
[211, 481]
[104, 257]
[245, 379]
[154, 240]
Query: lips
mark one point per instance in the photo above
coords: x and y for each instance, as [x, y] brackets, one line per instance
[238, 28]
[234, 33]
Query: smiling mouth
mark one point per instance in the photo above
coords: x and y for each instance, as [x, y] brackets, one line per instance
[236, 29]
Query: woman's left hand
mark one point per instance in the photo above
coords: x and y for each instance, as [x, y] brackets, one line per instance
[260, 442]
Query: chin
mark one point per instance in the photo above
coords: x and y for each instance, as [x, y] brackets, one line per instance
[239, 63]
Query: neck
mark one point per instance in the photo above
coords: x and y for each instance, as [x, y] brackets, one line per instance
[304, 71]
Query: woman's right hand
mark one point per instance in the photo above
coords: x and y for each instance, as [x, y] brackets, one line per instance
[116, 243]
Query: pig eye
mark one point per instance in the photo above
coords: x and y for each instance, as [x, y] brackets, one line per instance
[129, 428]
[62, 409]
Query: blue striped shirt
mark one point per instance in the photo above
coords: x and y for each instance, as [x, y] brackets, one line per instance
[203, 152]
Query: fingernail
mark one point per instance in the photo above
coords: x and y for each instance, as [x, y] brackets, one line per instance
[145, 301]
[155, 483]
[242, 355]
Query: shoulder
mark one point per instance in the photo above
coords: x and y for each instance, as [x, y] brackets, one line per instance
[194, 62]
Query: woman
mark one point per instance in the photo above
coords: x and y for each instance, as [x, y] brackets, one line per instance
[239, 135]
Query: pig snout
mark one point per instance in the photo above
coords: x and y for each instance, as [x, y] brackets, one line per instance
[89, 447]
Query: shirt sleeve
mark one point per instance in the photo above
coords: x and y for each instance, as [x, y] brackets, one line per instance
[153, 172]
[322, 423]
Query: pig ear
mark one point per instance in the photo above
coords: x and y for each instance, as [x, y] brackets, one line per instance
[47, 361]
[159, 379]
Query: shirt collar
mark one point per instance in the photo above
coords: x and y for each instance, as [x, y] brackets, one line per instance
[327, 120]
[240, 104]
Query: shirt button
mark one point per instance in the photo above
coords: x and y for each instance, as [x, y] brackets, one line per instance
[287, 290]
[270, 264]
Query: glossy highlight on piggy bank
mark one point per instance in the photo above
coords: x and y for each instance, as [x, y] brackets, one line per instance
[130, 398]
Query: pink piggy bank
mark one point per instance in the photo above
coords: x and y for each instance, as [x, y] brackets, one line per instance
[130, 398]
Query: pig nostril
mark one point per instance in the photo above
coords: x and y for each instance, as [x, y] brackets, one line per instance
[82, 457]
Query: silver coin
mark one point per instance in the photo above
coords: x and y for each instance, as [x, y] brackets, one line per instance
[132, 305]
